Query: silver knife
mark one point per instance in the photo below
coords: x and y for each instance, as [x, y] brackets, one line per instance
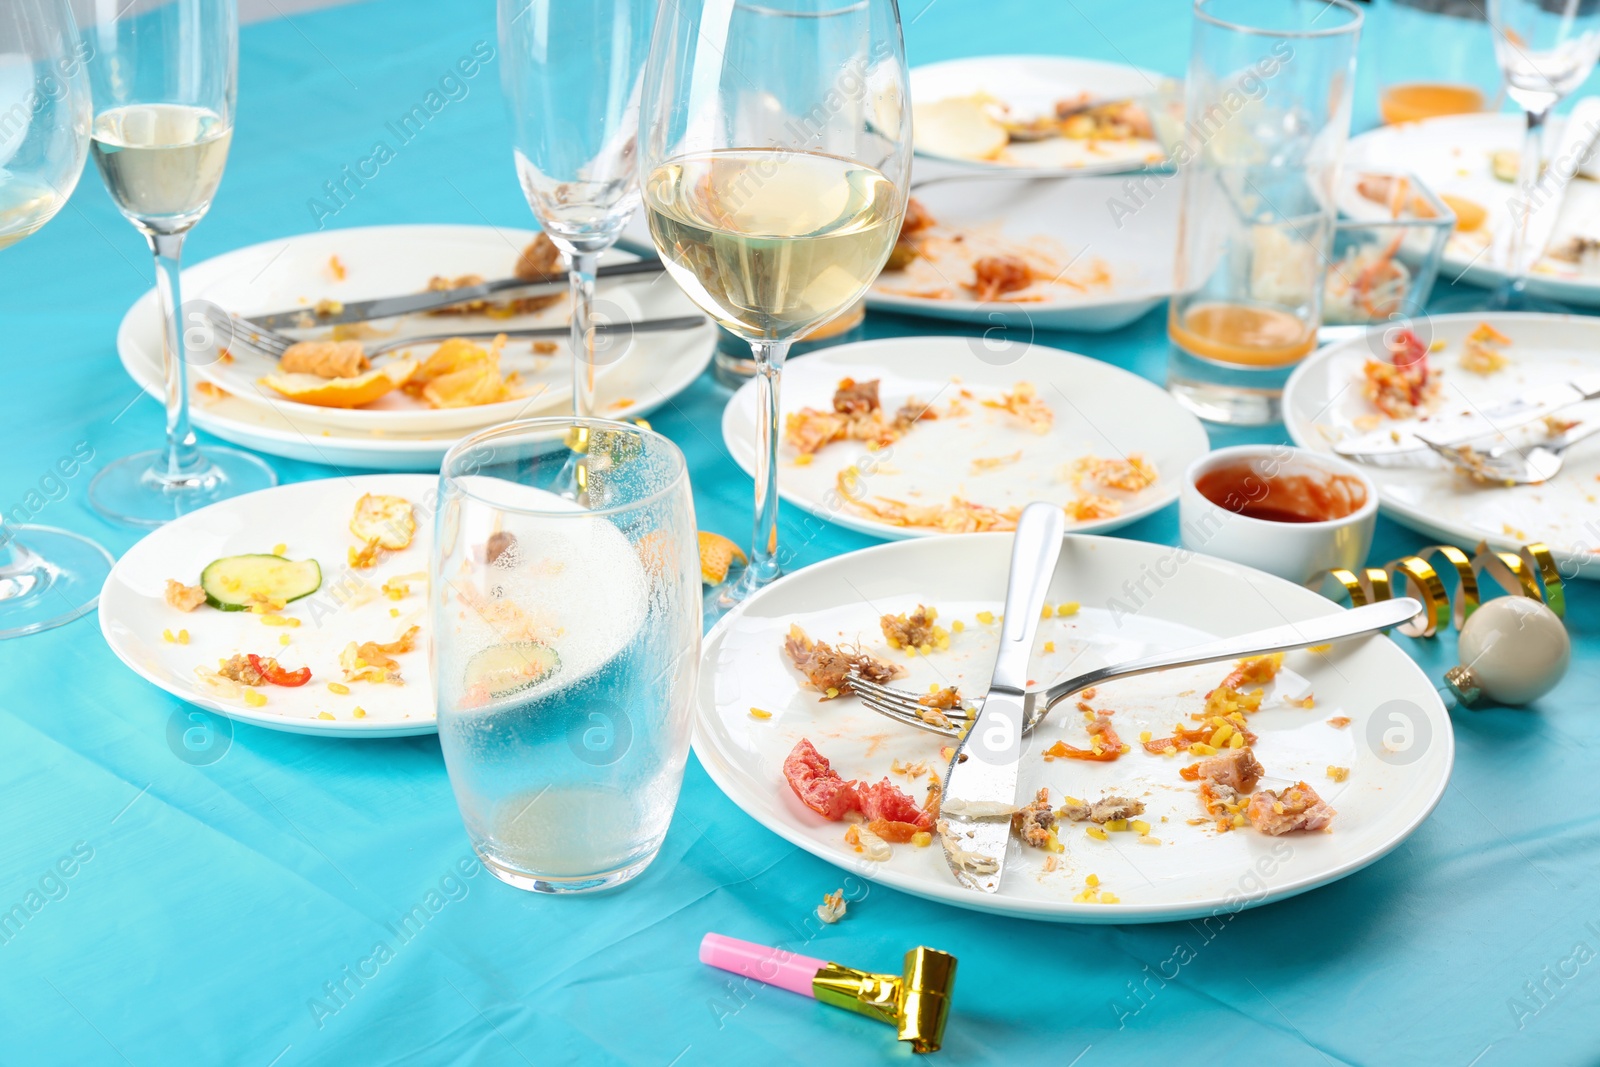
[980, 789]
[305, 318]
[1400, 436]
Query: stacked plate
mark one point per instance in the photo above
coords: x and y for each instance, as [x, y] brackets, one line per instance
[398, 432]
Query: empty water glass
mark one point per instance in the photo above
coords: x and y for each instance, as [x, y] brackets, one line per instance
[566, 642]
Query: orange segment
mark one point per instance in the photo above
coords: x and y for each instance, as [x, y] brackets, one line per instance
[342, 392]
[717, 554]
[1469, 215]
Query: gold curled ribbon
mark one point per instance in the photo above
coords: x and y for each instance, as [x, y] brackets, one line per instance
[1530, 571]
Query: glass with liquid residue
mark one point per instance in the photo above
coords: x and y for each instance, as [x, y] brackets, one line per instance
[565, 598]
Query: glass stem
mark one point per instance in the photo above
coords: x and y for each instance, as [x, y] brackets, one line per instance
[769, 356]
[581, 272]
[1528, 184]
[21, 572]
[183, 459]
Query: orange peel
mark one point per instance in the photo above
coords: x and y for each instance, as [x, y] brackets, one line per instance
[342, 392]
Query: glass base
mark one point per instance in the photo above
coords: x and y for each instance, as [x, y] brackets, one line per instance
[540, 884]
[52, 577]
[1237, 396]
[136, 491]
[739, 588]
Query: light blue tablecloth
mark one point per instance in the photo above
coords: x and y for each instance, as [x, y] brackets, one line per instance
[232, 913]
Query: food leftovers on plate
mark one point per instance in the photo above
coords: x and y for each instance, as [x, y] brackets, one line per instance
[336, 374]
[265, 584]
[858, 414]
[1404, 385]
[935, 262]
[1229, 778]
[981, 126]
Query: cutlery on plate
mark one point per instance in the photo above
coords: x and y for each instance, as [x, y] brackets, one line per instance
[245, 334]
[1507, 464]
[303, 318]
[1401, 435]
[902, 706]
[980, 789]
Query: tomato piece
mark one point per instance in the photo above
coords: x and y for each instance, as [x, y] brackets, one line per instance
[817, 784]
[887, 803]
[274, 673]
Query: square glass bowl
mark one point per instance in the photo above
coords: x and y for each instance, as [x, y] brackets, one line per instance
[1387, 245]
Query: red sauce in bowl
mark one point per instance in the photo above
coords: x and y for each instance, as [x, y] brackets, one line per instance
[1318, 497]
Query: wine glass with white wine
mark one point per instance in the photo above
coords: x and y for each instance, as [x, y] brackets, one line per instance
[47, 576]
[163, 75]
[774, 177]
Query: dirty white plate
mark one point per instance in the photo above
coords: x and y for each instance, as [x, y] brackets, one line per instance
[1398, 745]
[311, 520]
[1452, 155]
[1099, 410]
[1030, 86]
[1323, 402]
[1122, 258]
[655, 368]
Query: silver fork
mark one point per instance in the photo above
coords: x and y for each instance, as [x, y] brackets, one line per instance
[1507, 464]
[272, 344]
[903, 706]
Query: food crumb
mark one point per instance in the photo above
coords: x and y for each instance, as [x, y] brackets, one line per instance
[279, 549]
[283, 639]
[1069, 608]
[359, 713]
[339, 687]
[757, 713]
[832, 908]
[254, 699]
[1339, 722]
[986, 617]
[324, 715]
[1338, 774]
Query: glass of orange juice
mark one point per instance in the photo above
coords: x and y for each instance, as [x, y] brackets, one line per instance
[1267, 112]
[1434, 58]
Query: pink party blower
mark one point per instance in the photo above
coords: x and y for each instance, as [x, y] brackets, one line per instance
[916, 1002]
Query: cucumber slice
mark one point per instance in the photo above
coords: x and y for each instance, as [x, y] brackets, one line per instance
[232, 583]
[503, 670]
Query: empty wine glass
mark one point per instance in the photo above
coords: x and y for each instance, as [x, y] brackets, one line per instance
[163, 76]
[774, 178]
[47, 576]
[570, 70]
[1546, 49]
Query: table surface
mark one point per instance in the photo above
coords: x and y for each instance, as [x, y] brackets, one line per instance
[211, 910]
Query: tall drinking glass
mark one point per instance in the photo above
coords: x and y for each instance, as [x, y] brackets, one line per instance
[163, 74]
[47, 576]
[566, 642]
[1267, 114]
[774, 177]
[1546, 49]
[570, 70]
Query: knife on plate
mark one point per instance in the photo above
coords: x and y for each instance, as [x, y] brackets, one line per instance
[980, 788]
[1400, 436]
[305, 318]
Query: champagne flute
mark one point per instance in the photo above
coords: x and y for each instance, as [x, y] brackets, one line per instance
[774, 178]
[47, 576]
[1546, 49]
[163, 75]
[570, 71]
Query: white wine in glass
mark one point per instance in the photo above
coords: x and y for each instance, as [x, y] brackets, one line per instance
[774, 174]
[163, 76]
[47, 576]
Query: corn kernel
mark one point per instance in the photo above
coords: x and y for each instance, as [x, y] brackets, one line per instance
[1068, 608]
[1144, 735]
[394, 613]
[1236, 741]
[283, 639]
[1097, 833]
[1109, 898]
[360, 712]
[1049, 646]
[183, 637]
[278, 620]
[803, 460]
[339, 687]
[324, 715]
[986, 617]
[922, 839]
[1045, 612]
[1238, 820]
[1199, 749]
[1140, 827]
[166, 635]
[832, 692]
[957, 626]
[757, 713]
[279, 549]
[254, 699]
[1338, 774]
[1116, 826]
[1092, 880]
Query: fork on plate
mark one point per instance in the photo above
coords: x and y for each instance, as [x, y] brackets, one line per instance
[272, 344]
[905, 707]
[1507, 464]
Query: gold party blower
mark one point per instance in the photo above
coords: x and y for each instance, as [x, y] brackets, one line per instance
[915, 1002]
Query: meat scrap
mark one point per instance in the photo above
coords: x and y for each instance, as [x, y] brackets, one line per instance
[993, 275]
[184, 597]
[827, 669]
[1287, 810]
[915, 631]
[1106, 809]
[1035, 823]
[856, 398]
[1225, 779]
